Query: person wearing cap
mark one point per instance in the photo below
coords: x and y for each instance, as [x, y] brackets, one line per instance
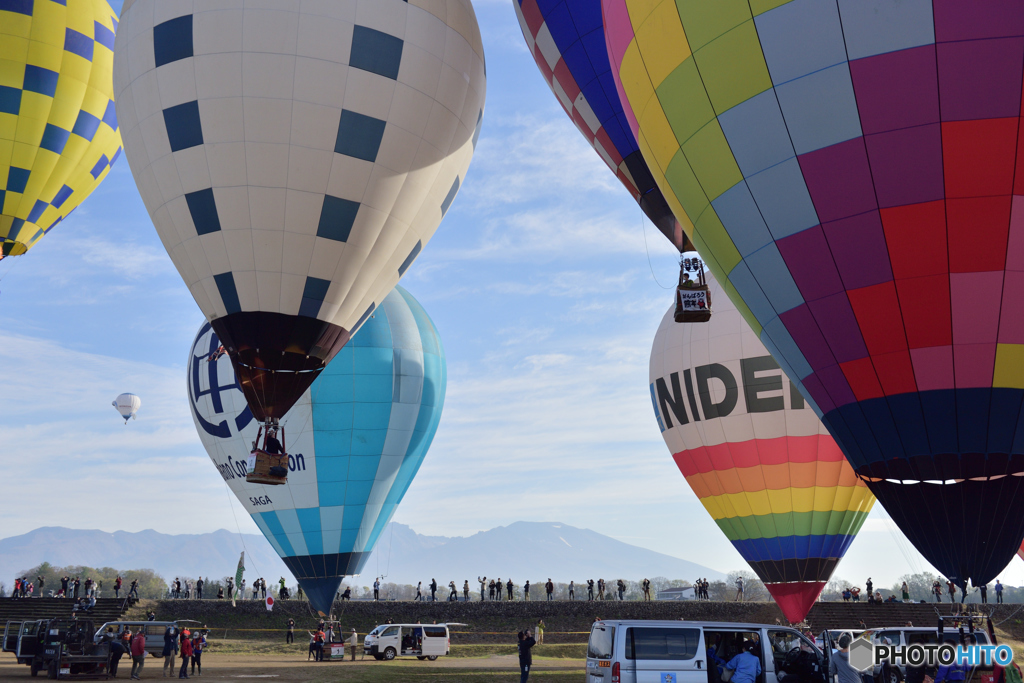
[186, 654]
[526, 642]
[353, 642]
[839, 663]
[273, 446]
[745, 666]
[170, 648]
[198, 644]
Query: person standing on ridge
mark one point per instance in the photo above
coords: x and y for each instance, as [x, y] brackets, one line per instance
[999, 592]
[490, 590]
[739, 589]
[526, 592]
[465, 591]
[549, 588]
[525, 657]
[433, 590]
[871, 590]
[483, 586]
[499, 589]
[419, 592]
[590, 590]
[376, 589]
[951, 587]
[572, 590]
[647, 589]
[199, 588]
[509, 587]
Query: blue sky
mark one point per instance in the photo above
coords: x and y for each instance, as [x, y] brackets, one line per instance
[540, 286]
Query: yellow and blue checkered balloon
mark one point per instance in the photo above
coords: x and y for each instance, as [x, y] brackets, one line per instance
[58, 127]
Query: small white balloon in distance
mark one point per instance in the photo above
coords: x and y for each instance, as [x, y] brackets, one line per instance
[127, 405]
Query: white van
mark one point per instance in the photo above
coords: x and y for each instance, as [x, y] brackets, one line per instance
[909, 635]
[634, 651]
[422, 641]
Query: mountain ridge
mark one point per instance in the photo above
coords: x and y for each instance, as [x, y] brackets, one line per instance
[524, 550]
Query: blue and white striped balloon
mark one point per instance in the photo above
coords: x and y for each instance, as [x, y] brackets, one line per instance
[356, 439]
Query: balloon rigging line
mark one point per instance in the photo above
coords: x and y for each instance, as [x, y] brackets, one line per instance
[241, 538]
[901, 546]
[643, 228]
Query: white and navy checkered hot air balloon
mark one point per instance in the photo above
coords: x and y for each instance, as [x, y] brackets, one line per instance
[295, 158]
[356, 438]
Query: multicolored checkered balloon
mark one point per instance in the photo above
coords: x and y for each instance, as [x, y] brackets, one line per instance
[849, 170]
[58, 127]
[566, 39]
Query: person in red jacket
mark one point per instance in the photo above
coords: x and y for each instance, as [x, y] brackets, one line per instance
[186, 655]
[138, 648]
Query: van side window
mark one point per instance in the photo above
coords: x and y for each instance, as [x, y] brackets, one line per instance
[662, 643]
[434, 631]
[390, 631]
[893, 636]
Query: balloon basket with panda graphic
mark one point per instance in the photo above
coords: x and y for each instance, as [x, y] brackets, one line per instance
[268, 461]
[693, 298]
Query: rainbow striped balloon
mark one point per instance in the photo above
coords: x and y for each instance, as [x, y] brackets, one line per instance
[851, 172]
[755, 454]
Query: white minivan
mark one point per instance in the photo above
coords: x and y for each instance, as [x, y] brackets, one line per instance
[635, 651]
[422, 641]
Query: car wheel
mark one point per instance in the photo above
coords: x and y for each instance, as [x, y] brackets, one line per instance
[378, 657]
[420, 657]
[51, 671]
[432, 658]
[390, 653]
[34, 669]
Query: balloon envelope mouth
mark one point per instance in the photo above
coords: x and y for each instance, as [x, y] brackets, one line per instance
[276, 357]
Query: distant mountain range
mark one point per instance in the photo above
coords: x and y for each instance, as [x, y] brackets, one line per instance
[523, 550]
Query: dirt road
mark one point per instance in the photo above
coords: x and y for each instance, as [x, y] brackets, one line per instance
[288, 669]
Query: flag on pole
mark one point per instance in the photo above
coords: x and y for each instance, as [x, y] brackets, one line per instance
[238, 577]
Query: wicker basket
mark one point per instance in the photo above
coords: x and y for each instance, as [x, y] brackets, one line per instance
[260, 464]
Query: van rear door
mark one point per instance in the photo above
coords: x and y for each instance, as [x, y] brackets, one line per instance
[665, 654]
[10, 643]
[600, 648]
[435, 641]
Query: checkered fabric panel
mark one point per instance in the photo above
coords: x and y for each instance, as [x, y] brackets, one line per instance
[58, 135]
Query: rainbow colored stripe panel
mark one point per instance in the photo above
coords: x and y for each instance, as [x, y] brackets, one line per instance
[58, 129]
[791, 505]
[567, 41]
[849, 171]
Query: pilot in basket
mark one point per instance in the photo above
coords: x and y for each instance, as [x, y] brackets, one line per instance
[268, 464]
[693, 299]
